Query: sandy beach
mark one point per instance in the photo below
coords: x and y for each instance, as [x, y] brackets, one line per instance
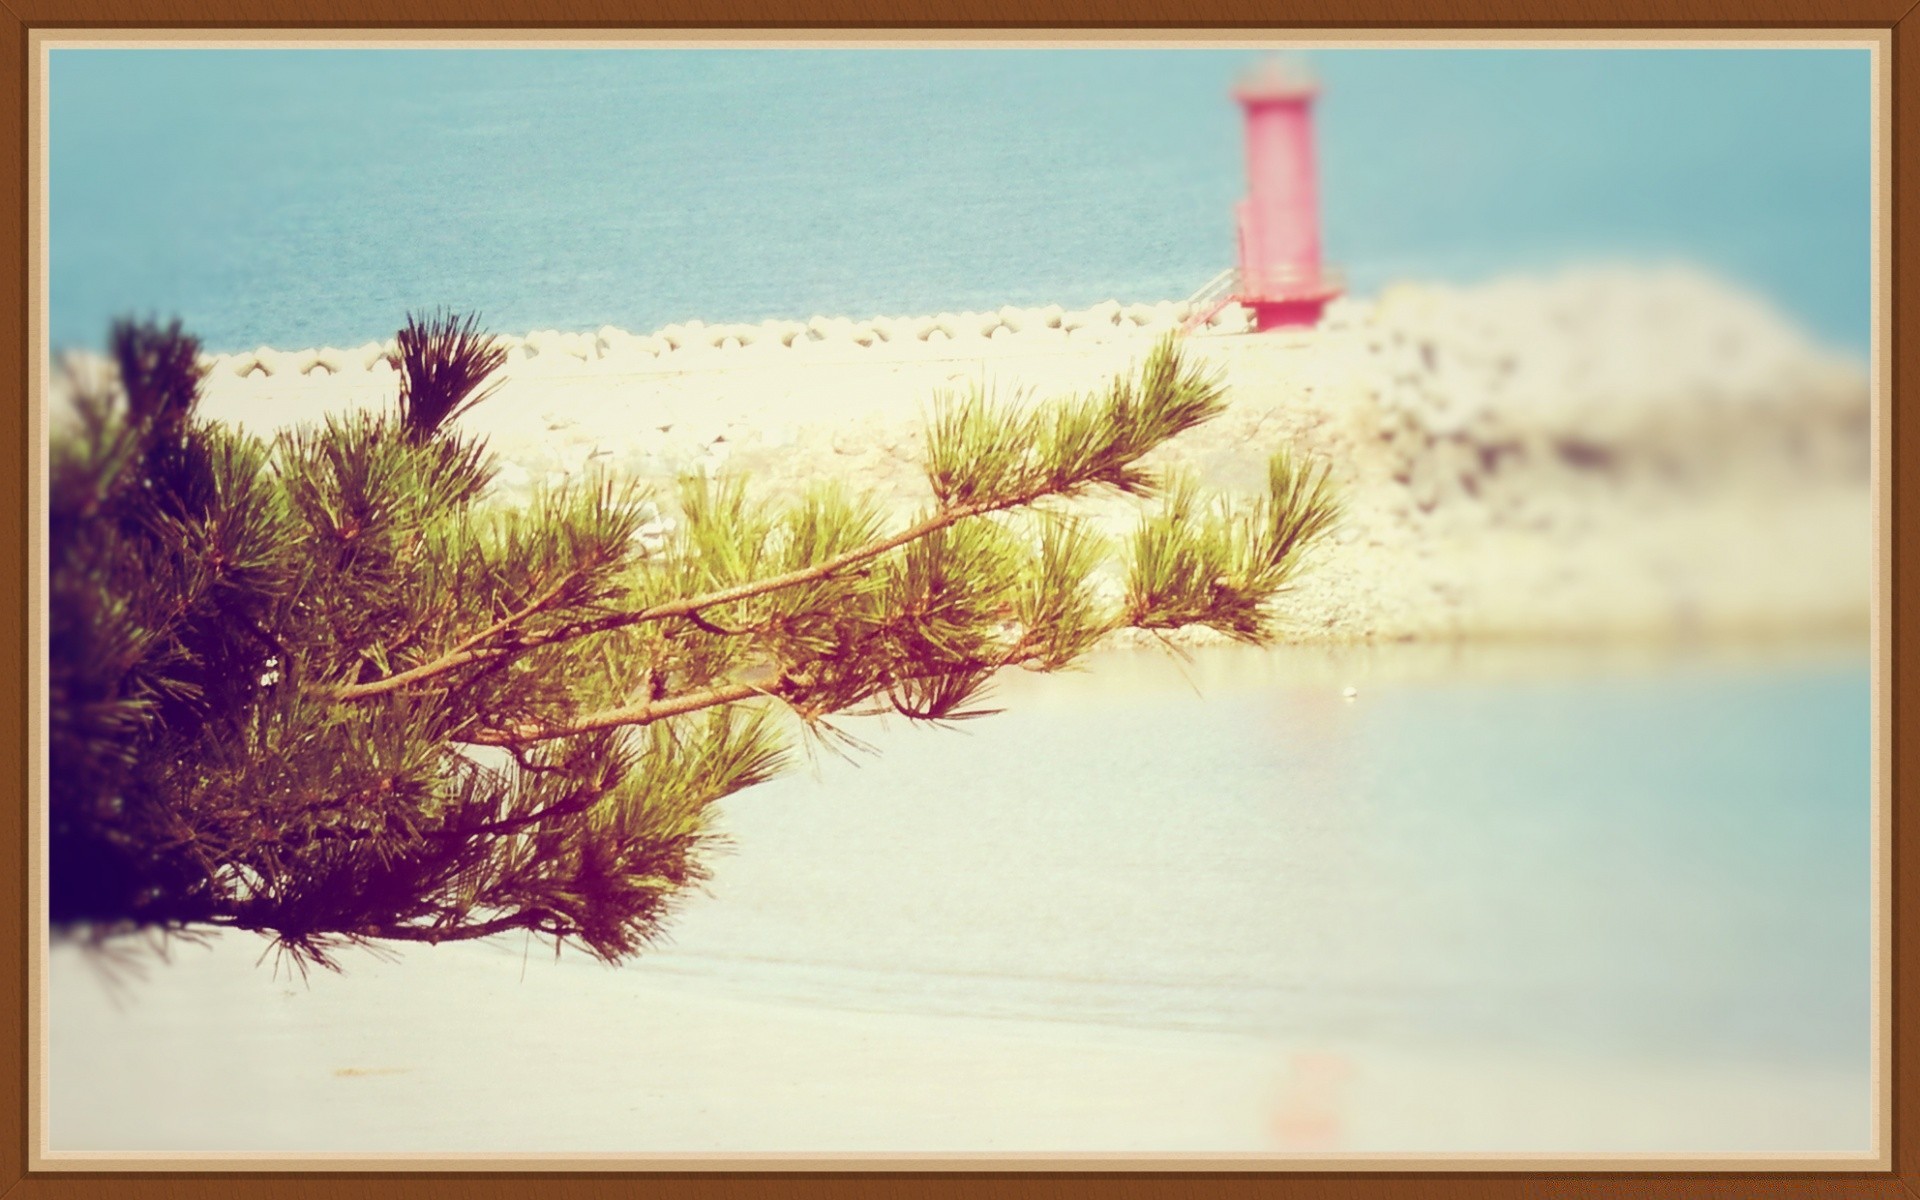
[1547, 830]
[929, 952]
[1613, 455]
[677, 1071]
[1602, 452]
[987, 972]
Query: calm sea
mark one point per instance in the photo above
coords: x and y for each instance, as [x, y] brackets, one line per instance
[1592, 884]
[295, 198]
[1665, 855]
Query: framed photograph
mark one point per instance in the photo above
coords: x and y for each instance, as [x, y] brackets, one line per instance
[1106, 600]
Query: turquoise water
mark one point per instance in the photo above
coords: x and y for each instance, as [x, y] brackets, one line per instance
[1549, 850]
[1536, 899]
[296, 198]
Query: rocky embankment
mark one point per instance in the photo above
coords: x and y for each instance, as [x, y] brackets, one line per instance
[1605, 452]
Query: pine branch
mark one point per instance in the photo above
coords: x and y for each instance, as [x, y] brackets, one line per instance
[634, 714]
[690, 607]
[435, 934]
[444, 361]
[1028, 647]
[577, 801]
[331, 821]
[467, 650]
[1099, 442]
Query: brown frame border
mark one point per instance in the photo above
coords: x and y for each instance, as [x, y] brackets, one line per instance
[25, 18]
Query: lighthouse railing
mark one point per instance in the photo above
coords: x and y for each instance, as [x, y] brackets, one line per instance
[1206, 303]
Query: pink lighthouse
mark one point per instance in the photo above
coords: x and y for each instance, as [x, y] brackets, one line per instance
[1281, 278]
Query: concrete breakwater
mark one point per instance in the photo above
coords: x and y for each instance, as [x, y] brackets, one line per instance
[1609, 451]
[685, 345]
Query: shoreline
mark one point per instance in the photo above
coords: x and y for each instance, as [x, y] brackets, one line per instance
[1637, 453]
[872, 970]
[735, 1076]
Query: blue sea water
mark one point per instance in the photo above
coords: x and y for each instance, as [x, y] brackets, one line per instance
[306, 197]
[1532, 897]
[1667, 858]
[1670, 867]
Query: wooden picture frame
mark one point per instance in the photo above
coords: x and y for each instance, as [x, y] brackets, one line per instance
[30, 22]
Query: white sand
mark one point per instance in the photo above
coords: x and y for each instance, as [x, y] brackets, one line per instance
[1602, 452]
[213, 1054]
[1598, 453]
[953, 947]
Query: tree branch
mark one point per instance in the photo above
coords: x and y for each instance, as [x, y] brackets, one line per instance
[462, 653]
[456, 933]
[576, 802]
[469, 651]
[645, 713]
[702, 623]
[659, 709]
[690, 606]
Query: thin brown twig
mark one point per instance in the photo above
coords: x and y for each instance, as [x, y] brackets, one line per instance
[716, 629]
[576, 802]
[692, 605]
[456, 933]
[645, 713]
[659, 709]
[468, 651]
[463, 652]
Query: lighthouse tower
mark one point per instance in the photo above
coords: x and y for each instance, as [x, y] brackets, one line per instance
[1281, 278]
